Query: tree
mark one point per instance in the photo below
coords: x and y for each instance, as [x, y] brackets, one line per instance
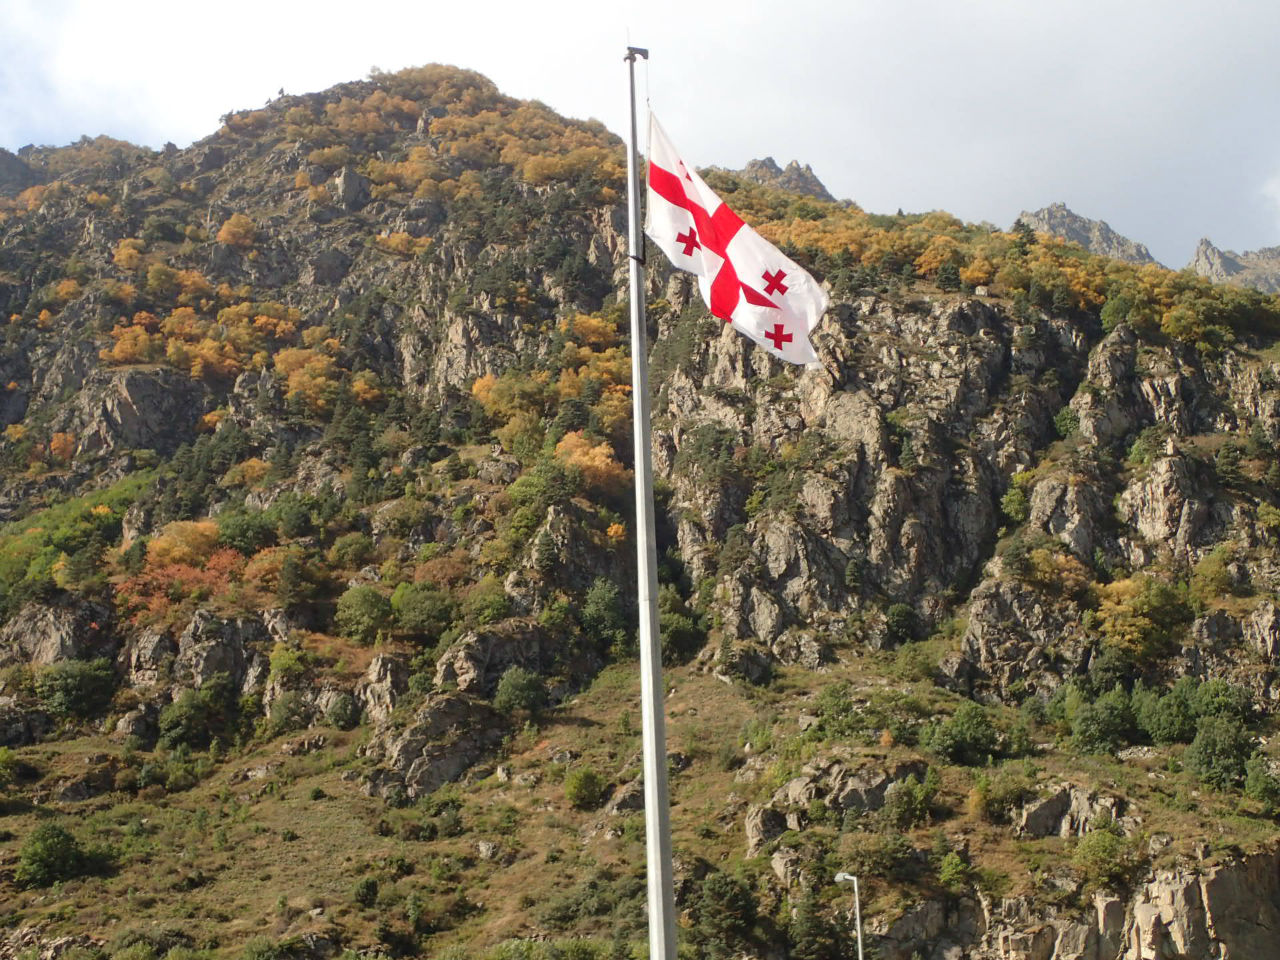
[51, 854]
[584, 788]
[813, 936]
[520, 690]
[968, 737]
[1105, 725]
[80, 688]
[363, 613]
[1219, 752]
[237, 231]
[422, 608]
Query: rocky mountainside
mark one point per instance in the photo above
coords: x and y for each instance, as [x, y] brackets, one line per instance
[1094, 235]
[1259, 269]
[316, 565]
[794, 178]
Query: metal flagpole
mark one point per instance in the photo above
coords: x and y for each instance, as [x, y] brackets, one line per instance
[657, 820]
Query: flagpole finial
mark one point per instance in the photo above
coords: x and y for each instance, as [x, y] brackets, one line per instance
[633, 52]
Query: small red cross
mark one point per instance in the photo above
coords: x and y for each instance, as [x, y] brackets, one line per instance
[773, 282]
[690, 241]
[779, 336]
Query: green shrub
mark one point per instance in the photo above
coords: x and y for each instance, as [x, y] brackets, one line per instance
[1261, 784]
[365, 891]
[908, 802]
[344, 712]
[1219, 752]
[1066, 421]
[289, 712]
[900, 624]
[1105, 725]
[520, 691]
[422, 608]
[198, 716]
[79, 688]
[724, 914]
[954, 872]
[51, 854]
[1168, 718]
[351, 550]
[1221, 698]
[603, 616]
[967, 737]
[487, 602]
[584, 788]
[1104, 857]
[363, 613]
[1015, 505]
[244, 531]
[994, 797]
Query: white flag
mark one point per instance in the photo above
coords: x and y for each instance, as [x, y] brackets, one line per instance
[745, 280]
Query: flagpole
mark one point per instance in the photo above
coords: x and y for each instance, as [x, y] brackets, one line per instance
[657, 818]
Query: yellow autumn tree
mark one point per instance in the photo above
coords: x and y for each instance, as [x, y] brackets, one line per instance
[594, 461]
[238, 231]
[183, 541]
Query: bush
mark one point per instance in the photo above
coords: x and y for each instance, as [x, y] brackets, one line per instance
[603, 616]
[1221, 698]
[1170, 718]
[967, 737]
[197, 716]
[289, 712]
[1104, 857]
[954, 872]
[365, 891]
[1261, 784]
[584, 788]
[520, 690]
[363, 613]
[899, 624]
[51, 854]
[908, 802]
[1105, 725]
[344, 712]
[80, 688]
[1219, 752]
[351, 550]
[422, 608]
[245, 532]
[487, 602]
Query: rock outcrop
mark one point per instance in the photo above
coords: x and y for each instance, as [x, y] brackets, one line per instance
[1259, 269]
[1096, 236]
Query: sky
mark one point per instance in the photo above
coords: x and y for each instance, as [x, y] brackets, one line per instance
[1158, 117]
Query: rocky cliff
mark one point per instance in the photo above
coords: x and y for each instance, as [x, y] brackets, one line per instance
[1094, 235]
[1253, 268]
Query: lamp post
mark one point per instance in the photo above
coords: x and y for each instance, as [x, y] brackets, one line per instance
[857, 906]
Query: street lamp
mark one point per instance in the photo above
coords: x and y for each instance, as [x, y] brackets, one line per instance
[857, 905]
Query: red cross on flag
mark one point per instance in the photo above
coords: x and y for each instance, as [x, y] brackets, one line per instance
[745, 280]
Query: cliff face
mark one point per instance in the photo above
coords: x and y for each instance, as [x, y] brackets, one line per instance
[360, 465]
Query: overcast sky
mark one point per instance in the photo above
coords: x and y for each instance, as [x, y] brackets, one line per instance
[1159, 117]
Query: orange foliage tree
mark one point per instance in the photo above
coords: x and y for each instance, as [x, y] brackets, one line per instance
[238, 231]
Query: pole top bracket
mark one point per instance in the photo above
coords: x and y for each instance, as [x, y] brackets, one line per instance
[633, 52]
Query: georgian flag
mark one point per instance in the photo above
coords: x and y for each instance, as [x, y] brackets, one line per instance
[744, 279]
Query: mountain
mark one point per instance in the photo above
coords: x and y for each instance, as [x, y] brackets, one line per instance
[1259, 269]
[1094, 235]
[317, 576]
[794, 178]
